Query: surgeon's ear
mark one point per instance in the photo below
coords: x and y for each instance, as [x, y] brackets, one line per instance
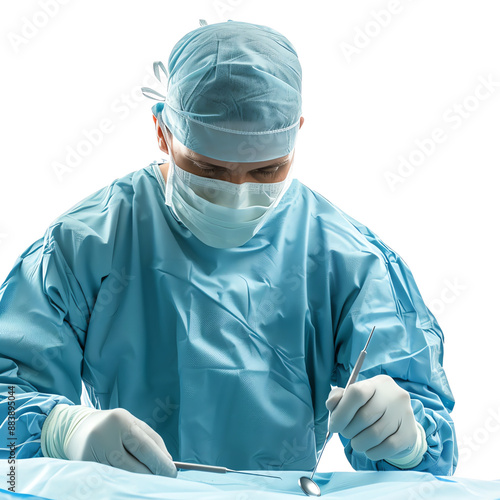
[162, 140]
[168, 139]
[301, 122]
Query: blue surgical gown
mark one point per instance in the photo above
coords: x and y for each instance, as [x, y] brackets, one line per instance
[228, 354]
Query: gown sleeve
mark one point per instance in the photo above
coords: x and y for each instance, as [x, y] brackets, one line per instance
[45, 306]
[407, 345]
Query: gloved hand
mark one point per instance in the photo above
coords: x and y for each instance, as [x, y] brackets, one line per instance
[112, 437]
[376, 415]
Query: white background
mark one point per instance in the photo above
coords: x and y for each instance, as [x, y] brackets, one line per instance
[374, 83]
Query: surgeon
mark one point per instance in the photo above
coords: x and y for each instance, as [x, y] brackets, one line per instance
[213, 306]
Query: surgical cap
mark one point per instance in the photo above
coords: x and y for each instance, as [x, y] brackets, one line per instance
[233, 92]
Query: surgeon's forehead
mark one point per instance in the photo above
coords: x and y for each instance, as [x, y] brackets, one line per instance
[205, 160]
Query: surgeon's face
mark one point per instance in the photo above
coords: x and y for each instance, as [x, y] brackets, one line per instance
[261, 171]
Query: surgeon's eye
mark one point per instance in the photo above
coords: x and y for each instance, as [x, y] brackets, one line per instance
[207, 170]
[267, 172]
[260, 173]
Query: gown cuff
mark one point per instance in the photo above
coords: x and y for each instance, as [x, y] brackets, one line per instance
[60, 426]
[416, 454]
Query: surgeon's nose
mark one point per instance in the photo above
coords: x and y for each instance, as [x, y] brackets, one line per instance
[241, 179]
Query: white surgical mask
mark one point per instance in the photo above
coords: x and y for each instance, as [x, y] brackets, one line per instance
[219, 213]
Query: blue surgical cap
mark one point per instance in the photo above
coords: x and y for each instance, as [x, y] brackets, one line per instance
[233, 92]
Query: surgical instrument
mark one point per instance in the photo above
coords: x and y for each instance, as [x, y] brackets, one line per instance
[216, 469]
[309, 487]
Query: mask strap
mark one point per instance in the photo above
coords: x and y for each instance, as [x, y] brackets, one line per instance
[158, 69]
[157, 66]
[152, 94]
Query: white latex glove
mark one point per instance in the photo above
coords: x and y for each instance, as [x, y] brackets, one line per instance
[376, 415]
[112, 437]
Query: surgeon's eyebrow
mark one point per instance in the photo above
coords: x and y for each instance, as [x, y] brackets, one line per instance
[206, 164]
